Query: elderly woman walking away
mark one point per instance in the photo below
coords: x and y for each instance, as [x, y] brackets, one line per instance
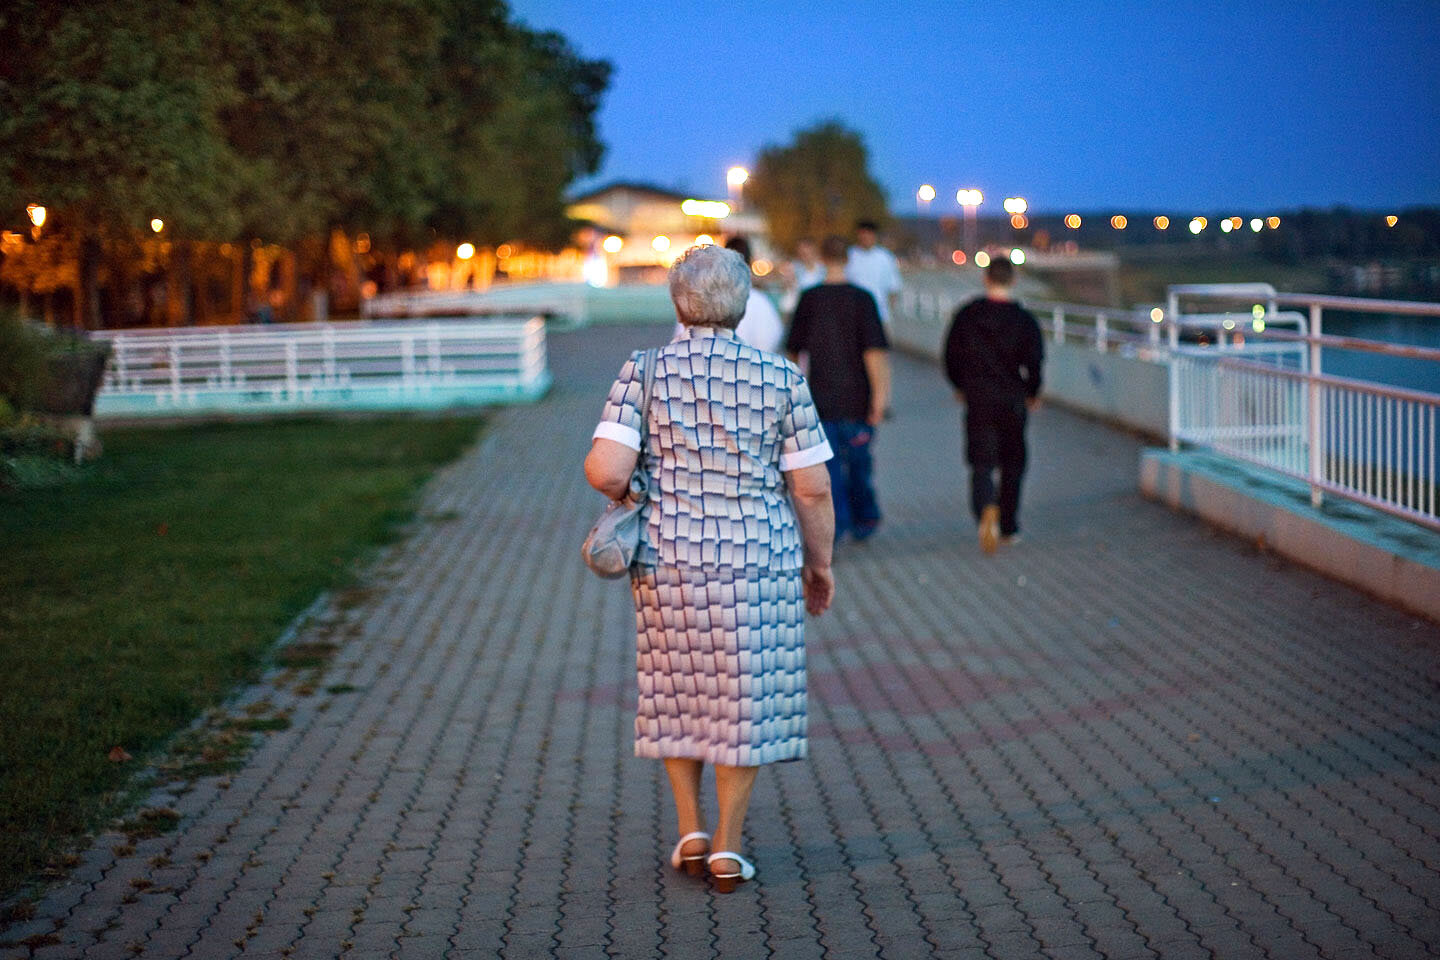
[736, 548]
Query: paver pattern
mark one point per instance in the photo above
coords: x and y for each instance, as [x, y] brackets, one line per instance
[1127, 736]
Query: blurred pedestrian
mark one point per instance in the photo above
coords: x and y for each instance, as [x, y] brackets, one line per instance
[993, 356]
[873, 268]
[805, 271]
[837, 328]
[736, 547]
[761, 326]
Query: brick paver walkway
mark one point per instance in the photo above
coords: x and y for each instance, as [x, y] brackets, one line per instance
[1127, 736]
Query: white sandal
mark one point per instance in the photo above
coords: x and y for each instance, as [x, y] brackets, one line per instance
[726, 882]
[689, 862]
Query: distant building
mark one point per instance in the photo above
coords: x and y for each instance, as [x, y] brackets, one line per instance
[632, 232]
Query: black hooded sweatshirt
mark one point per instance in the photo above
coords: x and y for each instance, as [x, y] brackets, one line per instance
[994, 350]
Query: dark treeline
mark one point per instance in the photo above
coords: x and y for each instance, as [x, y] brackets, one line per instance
[265, 136]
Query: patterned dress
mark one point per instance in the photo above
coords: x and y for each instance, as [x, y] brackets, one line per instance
[719, 611]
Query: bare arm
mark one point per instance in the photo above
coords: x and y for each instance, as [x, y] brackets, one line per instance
[810, 493]
[877, 368]
[608, 466]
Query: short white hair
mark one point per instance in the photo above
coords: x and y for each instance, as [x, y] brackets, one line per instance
[709, 286]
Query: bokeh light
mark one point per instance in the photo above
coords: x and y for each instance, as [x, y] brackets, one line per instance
[704, 240]
[925, 194]
[1017, 256]
[761, 268]
[613, 244]
[465, 251]
[1119, 222]
[157, 224]
[1273, 223]
[1257, 225]
[660, 244]
[1156, 315]
[1019, 221]
[1073, 221]
[1162, 222]
[1390, 221]
[982, 259]
[958, 257]
[36, 212]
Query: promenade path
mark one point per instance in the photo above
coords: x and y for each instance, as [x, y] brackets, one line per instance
[1127, 736]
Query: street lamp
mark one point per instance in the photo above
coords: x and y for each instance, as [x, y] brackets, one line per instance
[735, 179]
[36, 213]
[969, 198]
[1015, 205]
[157, 224]
[923, 196]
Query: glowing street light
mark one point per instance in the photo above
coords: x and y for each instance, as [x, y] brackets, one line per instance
[1197, 224]
[1162, 222]
[157, 224]
[1015, 205]
[735, 179]
[1119, 221]
[1073, 221]
[1157, 315]
[465, 251]
[970, 198]
[660, 244]
[982, 259]
[1019, 221]
[709, 209]
[925, 194]
[1390, 221]
[1017, 256]
[1227, 225]
[1273, 223]
[612, 244]
[36, 213]
[705, 240]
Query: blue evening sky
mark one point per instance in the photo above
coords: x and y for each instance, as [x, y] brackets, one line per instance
[1111, 104]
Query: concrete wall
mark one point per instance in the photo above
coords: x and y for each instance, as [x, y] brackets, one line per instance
[1382, 555]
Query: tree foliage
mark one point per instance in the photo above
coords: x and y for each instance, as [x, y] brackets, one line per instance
[284, 119]
[818, 184]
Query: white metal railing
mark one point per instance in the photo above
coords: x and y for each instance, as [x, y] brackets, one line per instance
[1269, 403]
[413, 364]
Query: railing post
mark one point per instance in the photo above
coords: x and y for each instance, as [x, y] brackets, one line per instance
[1172, 317]
[1316, 431]
[1102, 331]
[1059, 317]
[292, 371]
[175, 370]
[1173, 366]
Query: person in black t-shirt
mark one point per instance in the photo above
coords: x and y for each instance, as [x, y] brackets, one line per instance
[837, 325]
[993, 355]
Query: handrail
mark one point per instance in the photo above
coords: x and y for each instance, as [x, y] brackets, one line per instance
[1413, 308]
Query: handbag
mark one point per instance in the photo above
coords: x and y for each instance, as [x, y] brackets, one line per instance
[610, 548]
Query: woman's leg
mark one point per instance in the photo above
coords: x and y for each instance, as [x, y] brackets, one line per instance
[732, 786]
[685, 785]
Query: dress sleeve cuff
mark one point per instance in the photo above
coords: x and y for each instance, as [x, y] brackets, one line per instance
[619, 432]
[807, 457]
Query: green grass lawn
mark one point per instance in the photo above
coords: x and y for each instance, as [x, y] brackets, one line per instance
[147, 589]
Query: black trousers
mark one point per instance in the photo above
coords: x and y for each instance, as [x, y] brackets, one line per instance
[995, 441]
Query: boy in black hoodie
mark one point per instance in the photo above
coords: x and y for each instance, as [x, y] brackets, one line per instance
[993, 355]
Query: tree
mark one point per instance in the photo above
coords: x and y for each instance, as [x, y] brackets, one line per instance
[818, 185]
[284, 120]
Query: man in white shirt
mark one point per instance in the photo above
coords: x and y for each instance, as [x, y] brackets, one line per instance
[761, 326]
[873, 268]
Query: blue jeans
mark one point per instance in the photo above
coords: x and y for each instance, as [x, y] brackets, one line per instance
[851, 489]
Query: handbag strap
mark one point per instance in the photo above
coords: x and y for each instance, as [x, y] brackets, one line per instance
[649, 379]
